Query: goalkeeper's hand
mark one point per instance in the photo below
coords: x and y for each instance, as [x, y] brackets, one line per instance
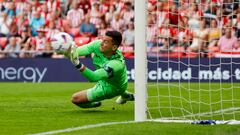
[73, 55]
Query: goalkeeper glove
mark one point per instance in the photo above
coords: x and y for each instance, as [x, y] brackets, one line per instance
[73, 56]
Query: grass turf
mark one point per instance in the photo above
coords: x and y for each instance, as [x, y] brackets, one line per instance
[27, 108]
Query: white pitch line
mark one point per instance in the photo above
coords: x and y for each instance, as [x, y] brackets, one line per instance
[205, 113]
[82, 127]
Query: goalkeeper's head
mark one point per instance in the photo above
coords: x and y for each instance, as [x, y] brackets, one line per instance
[116, 37]
[111, 41]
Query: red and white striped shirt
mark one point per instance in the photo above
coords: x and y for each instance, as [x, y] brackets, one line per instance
[53, 6]
[151, 33]
[40, 43]
[51, 33]
[21, 6]
[118, 25]
[75, 17]
[164, 33]
[128, 15]
[161, 16]
[96, 17]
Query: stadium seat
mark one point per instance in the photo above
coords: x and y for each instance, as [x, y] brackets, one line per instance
[128, 51]
[190, 54]
[75, 32]
[3, 42]
[81, 40]
[212, 51]
[178, 51]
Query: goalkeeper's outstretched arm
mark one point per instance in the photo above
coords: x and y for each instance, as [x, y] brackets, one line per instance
[87, 49]
[94, 76]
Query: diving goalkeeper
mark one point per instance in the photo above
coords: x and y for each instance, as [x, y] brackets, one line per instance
[110, 73]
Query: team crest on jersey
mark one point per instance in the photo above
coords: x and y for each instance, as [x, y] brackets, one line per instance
[109, 70]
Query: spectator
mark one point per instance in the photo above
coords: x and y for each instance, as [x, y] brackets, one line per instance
[174, 16]
[162, 15]
[119, 4]
[10, 9]
[75, 15]
[26, 32]
[118, 23]
[104, 27]
[200, 36]
[212, 8]
[214, 34]
[221, 20]
[44, 12]
[25, 42]
[87, 29]
[13, 48]
[236, 24]
[51, 30]
[228, 42]
[35, 6]
[227, 7]
[21, 21]
[128, 35]
[65, 6]
[85, 5]
[128, 13]
[194, 16]
[40, 42]
[164, 33]
[21, 6]
[54, 5]
[36, 22]
[151, 33]
[110, 14]
[28, 11]
[5, 23]
[58, 22]
[184, 35]
[96, 15]
[13, 28]
[26, 51]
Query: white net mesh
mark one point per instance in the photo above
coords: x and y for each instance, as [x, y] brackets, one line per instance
[193, 59]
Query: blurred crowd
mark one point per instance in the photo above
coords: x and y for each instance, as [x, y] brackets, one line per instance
[177, 28]
[193, 28]
[26, 26]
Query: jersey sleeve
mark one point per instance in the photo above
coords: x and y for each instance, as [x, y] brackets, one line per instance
[88, 48]
[108, 71]
[96, 75]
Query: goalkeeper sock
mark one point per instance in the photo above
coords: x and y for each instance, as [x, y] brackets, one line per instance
[89, 104]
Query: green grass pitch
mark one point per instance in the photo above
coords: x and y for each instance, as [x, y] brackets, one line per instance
[27, 108]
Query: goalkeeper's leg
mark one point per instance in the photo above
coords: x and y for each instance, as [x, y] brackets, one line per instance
[80, 99]
[90, 98]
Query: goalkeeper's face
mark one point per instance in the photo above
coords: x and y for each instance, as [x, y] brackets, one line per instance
[107, 45]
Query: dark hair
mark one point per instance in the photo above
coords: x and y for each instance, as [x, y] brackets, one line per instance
[116, 36]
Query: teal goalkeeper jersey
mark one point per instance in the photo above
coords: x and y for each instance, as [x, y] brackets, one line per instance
[111, 70]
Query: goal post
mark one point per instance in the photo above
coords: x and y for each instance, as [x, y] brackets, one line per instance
[175, 84]
[140, 62]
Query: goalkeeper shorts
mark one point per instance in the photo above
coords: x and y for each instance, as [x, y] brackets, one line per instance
[103, 91]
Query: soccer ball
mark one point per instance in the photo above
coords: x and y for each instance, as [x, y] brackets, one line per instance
[61, 42]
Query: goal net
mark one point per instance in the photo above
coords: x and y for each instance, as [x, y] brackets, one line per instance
[193, 60]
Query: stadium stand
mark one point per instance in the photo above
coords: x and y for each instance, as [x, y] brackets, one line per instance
[180, 28]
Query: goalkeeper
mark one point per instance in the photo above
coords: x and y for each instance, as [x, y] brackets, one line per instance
[110, 73]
